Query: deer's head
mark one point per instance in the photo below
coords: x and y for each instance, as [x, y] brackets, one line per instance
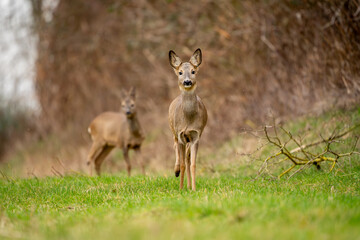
[186, 71]
[128, 105]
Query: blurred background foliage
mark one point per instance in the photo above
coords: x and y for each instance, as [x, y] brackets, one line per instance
[280, 58]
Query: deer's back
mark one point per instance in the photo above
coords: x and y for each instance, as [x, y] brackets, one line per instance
[109, 127]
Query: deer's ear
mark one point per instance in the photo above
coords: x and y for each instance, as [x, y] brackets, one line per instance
[132, 92]
[122, 94]
[174, 60]
[196, 58]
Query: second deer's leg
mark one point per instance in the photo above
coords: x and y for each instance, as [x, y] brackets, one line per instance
[181, 152]
[187, 162]
[193, 152]
[95, 150]
[101, 157]
[127, 160]
[140, 160]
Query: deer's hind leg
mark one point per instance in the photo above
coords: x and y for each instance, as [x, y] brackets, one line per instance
[95, 150]
[101, 157]
[181, 152]
[193, 151]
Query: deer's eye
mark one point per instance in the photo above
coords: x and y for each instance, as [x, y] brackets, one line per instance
[192, 72]
[132, 105]
[180, 73]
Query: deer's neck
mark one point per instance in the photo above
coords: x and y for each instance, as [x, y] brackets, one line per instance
[189, 103]
[134, 125]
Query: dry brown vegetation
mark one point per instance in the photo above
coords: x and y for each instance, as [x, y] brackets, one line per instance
[284, 57]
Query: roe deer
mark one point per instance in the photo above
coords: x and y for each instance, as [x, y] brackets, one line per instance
[116, 129]
[187, 117]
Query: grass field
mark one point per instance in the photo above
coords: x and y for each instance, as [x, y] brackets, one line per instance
[227, 205]
[325, 206]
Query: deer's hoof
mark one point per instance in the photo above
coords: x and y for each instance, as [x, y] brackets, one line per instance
[177, 170]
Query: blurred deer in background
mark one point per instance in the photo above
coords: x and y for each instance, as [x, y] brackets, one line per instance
[116, 129]
[187, 117]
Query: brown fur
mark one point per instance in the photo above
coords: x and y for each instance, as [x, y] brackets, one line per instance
[187, 117]
[116, 129]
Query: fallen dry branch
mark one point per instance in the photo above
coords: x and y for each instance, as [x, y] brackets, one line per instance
[304, 155]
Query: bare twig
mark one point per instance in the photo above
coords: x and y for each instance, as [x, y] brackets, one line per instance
[301, 156]
[5, 176]
[325, 140]
[56, 172]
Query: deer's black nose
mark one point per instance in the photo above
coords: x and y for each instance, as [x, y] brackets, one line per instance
[128, 112]
[187, 83]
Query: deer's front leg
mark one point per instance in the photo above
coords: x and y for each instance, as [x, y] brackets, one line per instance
[181, 152]
[187, 163]
[193, 152]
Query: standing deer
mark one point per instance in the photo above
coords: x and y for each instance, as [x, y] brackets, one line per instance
[116, 129]
[187, 117]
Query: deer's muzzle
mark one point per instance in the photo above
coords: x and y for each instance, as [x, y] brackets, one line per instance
[187, 83]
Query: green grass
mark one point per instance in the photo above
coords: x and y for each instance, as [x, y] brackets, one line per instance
[321, 206]
[228, 203]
